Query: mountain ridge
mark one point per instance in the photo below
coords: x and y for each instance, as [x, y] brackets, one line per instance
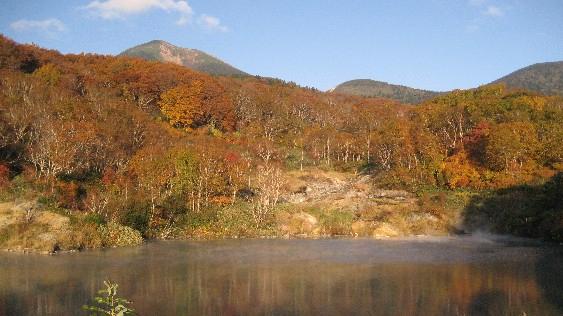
[375, 88]
[545, 78]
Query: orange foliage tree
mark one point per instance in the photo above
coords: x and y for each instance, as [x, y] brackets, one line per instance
[199, 102]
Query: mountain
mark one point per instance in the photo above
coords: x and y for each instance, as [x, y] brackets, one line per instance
[546, 78]
[188, 57]
[372, 88]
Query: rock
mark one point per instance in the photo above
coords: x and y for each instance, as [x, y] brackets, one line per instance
[385, 230]
[295, 198]
[417, 217]
[301, 223]
[306, 222]
[394, 194]
[303, 189]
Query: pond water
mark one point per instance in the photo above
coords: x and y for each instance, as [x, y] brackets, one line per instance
[441, 276]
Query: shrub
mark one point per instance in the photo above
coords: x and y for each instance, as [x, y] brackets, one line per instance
[68, 194]
[108, 303]
[4, 176]
[82, 236]
[116, 235]
[138, 219]
[336, 222]
[95, 218]
[236, 221]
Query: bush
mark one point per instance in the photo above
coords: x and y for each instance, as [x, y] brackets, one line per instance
[4, 176]
[138, 219]
[108, 303]
[336, 222]
[236, 221]
[116, 235]
[82, 236]
[94, 218]
[69, 194]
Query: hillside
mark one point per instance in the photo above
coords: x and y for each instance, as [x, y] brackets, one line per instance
[372, 88]
[125, 147]
[191, 58]
[546, 78]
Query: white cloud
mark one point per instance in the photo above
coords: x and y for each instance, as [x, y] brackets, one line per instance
[112, 9]
[493, 11]
[211, 23]
[49, 26]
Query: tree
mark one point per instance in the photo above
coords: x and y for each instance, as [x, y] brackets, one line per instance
[183, 104]
[236, 169]
[154, 172]
[188, 179]
[199, 102]
[269, 181]
[511, 144]
[49, 74]
[459, 173]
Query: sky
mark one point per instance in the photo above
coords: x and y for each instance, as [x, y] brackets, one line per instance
[427, 44]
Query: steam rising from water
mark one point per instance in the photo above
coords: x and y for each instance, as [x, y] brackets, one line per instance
[478, 274]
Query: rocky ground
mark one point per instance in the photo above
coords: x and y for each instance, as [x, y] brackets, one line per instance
[26, 227]
[320, 203]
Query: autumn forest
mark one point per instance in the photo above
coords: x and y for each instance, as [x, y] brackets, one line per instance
[126, 150]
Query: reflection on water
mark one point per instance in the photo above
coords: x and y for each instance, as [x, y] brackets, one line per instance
[295, 277]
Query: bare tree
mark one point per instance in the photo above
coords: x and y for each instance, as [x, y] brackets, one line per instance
[268, 183]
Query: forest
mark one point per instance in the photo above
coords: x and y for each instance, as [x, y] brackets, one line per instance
[125, 149]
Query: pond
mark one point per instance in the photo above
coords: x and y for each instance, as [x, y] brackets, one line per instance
[418, 276]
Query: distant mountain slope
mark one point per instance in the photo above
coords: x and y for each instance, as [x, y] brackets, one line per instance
[546, 78]
[372, 88]
[191, 58]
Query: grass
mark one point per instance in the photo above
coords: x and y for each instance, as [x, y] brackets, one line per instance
[335, 222]
[27, 236]
[231, 221]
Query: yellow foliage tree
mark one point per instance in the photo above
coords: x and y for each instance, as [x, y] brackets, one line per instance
[459, 172]
[511, 144]
[49, 74]
[182, 105]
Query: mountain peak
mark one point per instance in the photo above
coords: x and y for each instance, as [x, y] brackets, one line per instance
[373, 88]
[546, 78]
[155, 41]
[161, 50]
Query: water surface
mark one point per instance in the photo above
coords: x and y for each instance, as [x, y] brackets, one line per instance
[443, 276]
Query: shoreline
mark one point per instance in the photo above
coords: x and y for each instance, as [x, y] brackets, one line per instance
[470, 237]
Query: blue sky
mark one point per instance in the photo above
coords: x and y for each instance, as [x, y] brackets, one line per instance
[428, 44]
